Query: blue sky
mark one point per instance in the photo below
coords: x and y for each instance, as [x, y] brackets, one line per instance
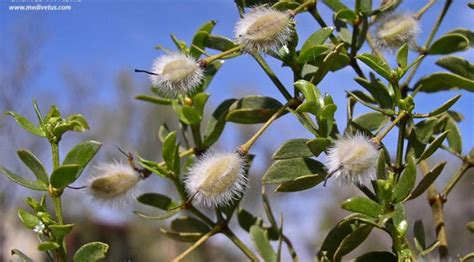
[97, 39]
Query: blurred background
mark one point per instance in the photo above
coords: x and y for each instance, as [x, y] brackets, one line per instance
[82, 60]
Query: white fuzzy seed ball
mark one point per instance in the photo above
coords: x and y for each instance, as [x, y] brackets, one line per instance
[263, 29]
[216, 179]
[353, 159]
[395, 30]
[176, 73]
[113, 183]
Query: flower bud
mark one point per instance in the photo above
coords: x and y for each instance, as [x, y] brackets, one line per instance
[263, 29]
[113, 182]
[395, 30]
[176, 73]
[216, 179]
[353, 159]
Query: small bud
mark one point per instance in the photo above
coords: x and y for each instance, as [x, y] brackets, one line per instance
[216, 179]
[395, 30]
[113, 182]
[263, 29]
[353, 159]
[176, 73]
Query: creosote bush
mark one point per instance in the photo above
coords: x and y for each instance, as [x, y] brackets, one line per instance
[207, 178]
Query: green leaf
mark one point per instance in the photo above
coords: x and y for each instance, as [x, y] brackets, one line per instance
[316, 39]
[334, 238]
[465, 32]
[91, 252]
[216, 123]
[154, 99]
[381, 170]
[21, 255]
[457, 65]
[253, 110]
[361, 100]
[434, 146]
[199, 101]
[352, 241]
[182, 236]
[419, 234]
[427, 180]
[364, 206]
[378, 91]
[312, 53]
[377, 64]
[48, 245]
[287, 170]
[310, 91]
[371, 121]
[189, 225]
[64, 175]
[24, 123]
[29, 220]
[449, 43]
[301, 183]
[81, 154]
[335, 5]
[169, 148]
[157, 200]
[363, 6]
[406, 182]
[318, 145]
[292, 148]
[443, 81]
[454, 136]
[35, 185]
[444, 107]
[181, 45]
[377, 256]
[34, 164]
[60, 231]
[402, 56]
[424, 129]
[200, 39]
[219, 42]
[346, 15]
[284, 6]
[246, 219]
[260, 240]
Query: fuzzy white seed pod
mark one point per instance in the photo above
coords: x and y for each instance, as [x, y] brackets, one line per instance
[395, 30]
[216, 179]
[176, 73]
[352, 159]
[263, 29]
[113, 183]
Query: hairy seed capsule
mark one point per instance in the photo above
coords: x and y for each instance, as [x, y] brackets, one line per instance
[216, 179]
[263, 29]
[176, 73]
[395, 30]
[113, 182]
[353, 159]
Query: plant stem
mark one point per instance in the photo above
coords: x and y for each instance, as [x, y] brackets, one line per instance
[424, 9]
[210, 59]
[196, 132]
[401, 141]
[382, 134]
[304, 7]
[244, 148]
[197, 244]
[272, 76]
[428, 41]
[56, 197]
[436, 204]
[240, 244]
[455, 179]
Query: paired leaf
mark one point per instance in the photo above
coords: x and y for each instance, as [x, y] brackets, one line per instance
[318, 145]
[216, 123]
[34, 164]
[24, 123]
[449, 43]
[443, 81]
[64, 175]
[81, 154]
[156, 200]
[427, 180]
[457, 65]
[253, 110]
[406, 181]
[364, 206]
[35, 185]
[301, 183]
[261, 242]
